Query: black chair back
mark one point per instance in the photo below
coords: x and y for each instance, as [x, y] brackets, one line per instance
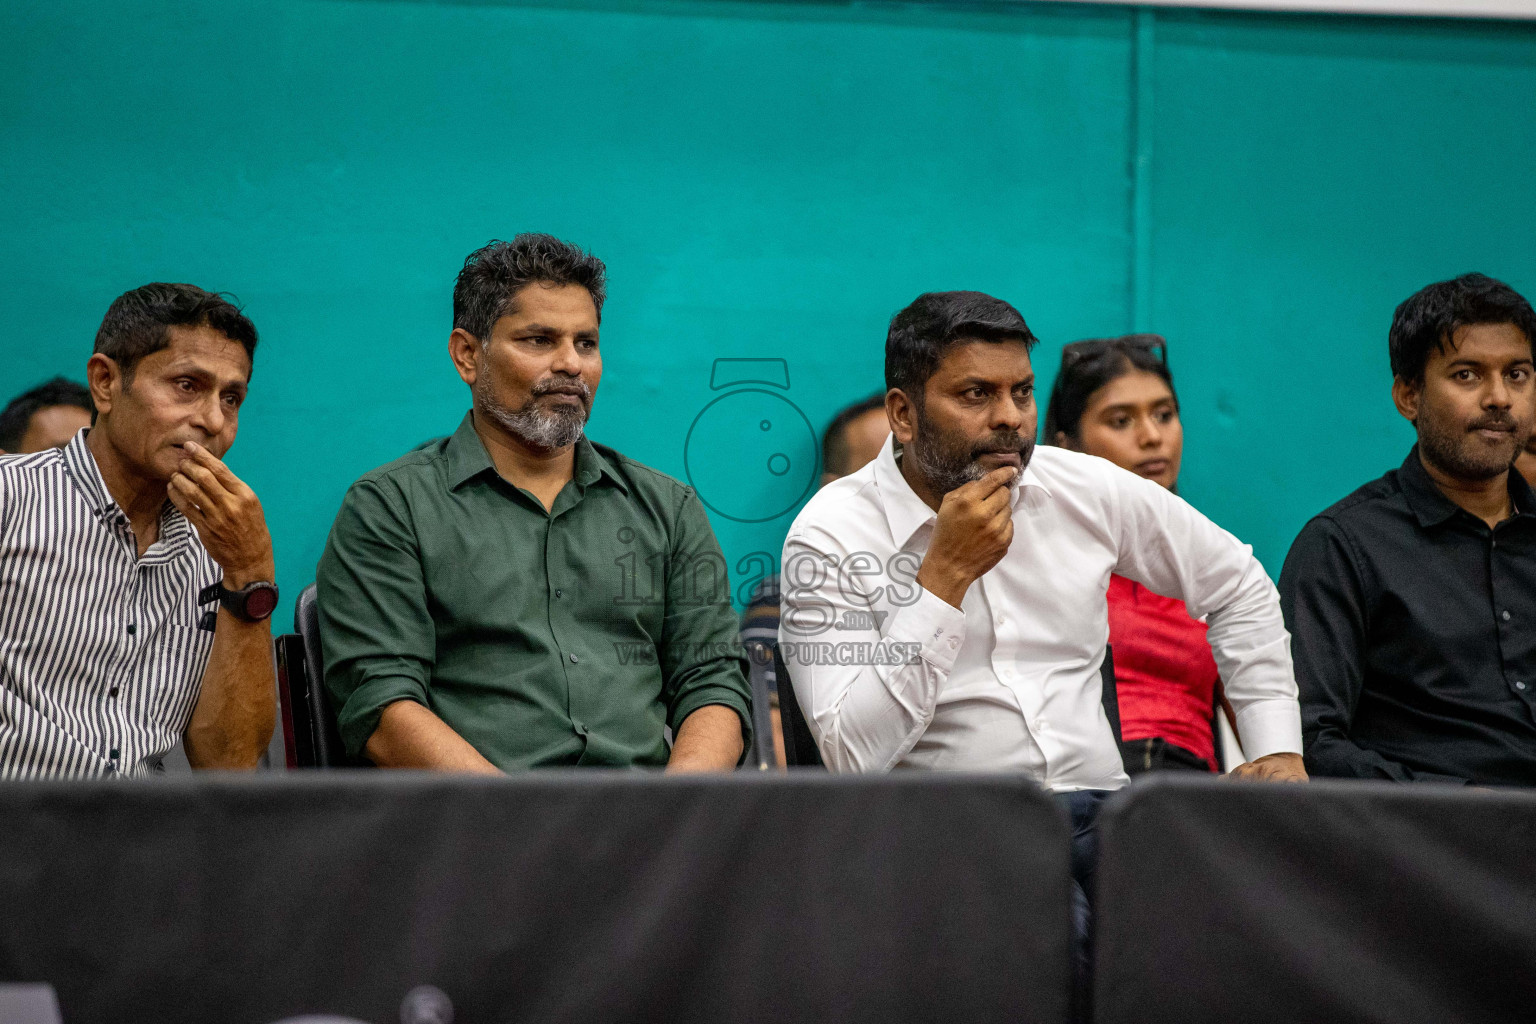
[799, 745]
[292, 701]
[759, 656]
[328, 750]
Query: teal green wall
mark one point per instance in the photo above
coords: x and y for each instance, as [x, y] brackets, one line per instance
[1308, 175]
[770, 181]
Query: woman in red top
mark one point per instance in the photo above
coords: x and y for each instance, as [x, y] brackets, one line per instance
[1114, 398]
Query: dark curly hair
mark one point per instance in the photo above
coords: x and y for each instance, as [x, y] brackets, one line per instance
[138, 323]
[1428, 319]
[496, 271]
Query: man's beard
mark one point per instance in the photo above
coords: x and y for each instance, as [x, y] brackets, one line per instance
[1458, 453]
[545, 429]
[948, 460]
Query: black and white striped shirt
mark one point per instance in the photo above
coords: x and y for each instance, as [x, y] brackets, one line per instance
[101, 654]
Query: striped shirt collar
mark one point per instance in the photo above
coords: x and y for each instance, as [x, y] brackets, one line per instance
[80, 465]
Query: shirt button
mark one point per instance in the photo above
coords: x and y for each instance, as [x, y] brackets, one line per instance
[112, 692]
[1519, 686]
[132, 629]
[114, 753]
[574, 659]
[559, 593]
[1504, 615]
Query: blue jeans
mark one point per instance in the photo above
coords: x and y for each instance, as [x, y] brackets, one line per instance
[1082, 810]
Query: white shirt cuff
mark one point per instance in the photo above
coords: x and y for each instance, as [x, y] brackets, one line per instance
[1270, 727]
[937, 627]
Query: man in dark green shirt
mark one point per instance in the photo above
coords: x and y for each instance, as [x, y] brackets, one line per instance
[514, 595]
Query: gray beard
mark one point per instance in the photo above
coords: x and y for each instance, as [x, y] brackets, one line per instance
[546, 431]
[946, 467]
[944, 470]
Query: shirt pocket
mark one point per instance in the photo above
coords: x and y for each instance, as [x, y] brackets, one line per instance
[170, 674]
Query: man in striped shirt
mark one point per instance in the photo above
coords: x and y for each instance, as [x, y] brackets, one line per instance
[135, 568]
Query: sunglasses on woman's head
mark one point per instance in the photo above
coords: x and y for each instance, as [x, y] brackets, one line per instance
[1078, 351]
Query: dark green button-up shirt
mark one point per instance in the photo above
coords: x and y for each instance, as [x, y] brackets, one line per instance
[543, 638]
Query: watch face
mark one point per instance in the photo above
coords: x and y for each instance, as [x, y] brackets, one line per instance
[261, 602]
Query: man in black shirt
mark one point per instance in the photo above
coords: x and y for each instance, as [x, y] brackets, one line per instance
[1412, 602]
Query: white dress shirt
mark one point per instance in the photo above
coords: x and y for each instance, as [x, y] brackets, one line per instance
[890, 676]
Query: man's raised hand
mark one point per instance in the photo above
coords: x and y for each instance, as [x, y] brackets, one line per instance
[974, 529]
[226, 514]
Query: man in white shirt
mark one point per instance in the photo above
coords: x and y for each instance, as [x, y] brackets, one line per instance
[880, 565]
[947, 608]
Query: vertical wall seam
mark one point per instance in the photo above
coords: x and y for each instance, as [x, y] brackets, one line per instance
[1143, 42]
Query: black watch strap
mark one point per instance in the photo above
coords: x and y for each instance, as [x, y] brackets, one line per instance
[251, 603]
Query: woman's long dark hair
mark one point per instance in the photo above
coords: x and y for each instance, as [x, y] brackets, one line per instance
[1087, 366]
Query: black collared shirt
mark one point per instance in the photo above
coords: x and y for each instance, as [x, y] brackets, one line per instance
[1413, 630]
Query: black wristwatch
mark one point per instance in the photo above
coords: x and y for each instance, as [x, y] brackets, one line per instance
[251, 603]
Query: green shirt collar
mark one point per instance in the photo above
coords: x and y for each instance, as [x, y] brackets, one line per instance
[467, 458]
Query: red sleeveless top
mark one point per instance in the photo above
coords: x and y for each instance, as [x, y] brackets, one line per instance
[1165, 675]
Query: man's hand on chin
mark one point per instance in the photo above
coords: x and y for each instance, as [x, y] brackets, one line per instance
[1271, 768]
